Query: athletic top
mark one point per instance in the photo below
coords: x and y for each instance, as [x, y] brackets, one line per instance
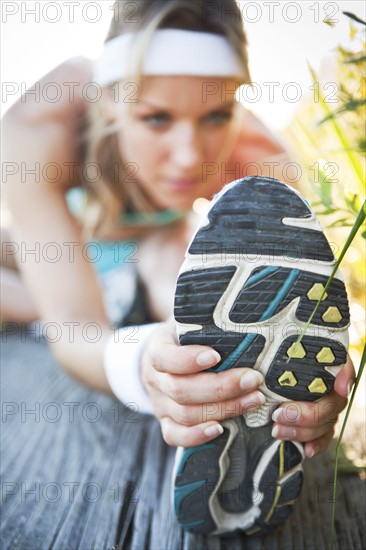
[123, 292]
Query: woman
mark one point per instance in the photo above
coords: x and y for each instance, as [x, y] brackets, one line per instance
[166, 131]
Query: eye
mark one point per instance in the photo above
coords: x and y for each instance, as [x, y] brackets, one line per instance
[218, 118]
[158, 120]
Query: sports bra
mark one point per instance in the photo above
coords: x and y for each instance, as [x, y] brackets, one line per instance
[124, 294]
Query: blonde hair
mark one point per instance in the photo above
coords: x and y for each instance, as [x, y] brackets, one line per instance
[113, 192]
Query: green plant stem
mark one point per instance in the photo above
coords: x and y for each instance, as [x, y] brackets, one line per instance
[307, 134]
[356, 226]
[356, 165]
[358, 379]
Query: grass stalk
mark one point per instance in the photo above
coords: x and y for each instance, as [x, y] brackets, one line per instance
[346, 146]
[356, 227]
[338, 446]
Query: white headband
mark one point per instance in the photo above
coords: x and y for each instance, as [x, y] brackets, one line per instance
[171, 52]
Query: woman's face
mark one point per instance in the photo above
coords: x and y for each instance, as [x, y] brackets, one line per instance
[175, 132]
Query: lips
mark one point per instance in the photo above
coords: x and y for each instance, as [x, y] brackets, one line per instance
[182, 184]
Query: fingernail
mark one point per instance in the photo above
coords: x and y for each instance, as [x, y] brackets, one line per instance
[208, 358]
[251, 379]
[214, 430]
[253, 400]
[275, 431]
[276, 414]
[310, 454]
[313, 451]
[286, 432]
[349, 387]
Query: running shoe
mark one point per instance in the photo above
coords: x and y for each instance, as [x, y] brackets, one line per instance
[254, 271]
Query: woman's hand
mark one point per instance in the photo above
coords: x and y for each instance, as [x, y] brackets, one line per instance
[314, 423]
[188, 402]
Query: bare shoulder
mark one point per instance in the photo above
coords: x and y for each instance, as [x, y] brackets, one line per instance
[41, 132]
[255, 141]
[57, 96]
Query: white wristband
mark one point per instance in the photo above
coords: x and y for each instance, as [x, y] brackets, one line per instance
[122, 357]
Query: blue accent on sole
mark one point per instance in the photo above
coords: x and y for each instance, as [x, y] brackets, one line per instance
[182, 491]
[189, 451]
[282, 293]
[234, 356]
[189, 525]
[259, 276]
[245, 343]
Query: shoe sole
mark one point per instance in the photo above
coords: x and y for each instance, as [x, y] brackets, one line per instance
[253, 273]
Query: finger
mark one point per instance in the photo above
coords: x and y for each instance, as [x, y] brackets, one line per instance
[294, 433]
[319, 445]
[189, 415]
[209, 387]
[309, 414]
[166, 356]
[177, 435]
[345, 379]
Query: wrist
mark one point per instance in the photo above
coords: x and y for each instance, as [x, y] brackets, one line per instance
[122, 365]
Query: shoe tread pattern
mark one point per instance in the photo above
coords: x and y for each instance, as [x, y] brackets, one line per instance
[253, 298]
[238, 229]
[306, 369]
[225, 342]
[199, 468]
[198, 292]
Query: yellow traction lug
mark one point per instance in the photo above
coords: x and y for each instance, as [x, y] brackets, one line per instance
[287, 379]
[332, 315]
[317, 386]
[296, 351]
[325, 355]
[316, 291]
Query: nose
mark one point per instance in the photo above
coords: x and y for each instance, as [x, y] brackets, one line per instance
[185, 146]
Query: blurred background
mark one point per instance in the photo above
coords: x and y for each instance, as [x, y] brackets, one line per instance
[307, 63]
[283, 38]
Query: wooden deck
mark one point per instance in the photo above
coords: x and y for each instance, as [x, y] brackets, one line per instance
[80, 471]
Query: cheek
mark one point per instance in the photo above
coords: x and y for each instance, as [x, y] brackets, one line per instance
[208, 148]
[139, 146]
[214, 143]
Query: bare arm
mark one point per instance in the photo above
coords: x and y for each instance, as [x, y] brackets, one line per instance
[259, 152]
[66, 290]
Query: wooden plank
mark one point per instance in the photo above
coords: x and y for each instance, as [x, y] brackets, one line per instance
[80, 471]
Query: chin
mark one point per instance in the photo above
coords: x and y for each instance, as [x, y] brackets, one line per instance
[183, 200]
[179, 205]
[178, 202]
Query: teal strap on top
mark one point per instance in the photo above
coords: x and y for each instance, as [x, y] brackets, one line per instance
[76, 198]
[162, 217]
[108, 255]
